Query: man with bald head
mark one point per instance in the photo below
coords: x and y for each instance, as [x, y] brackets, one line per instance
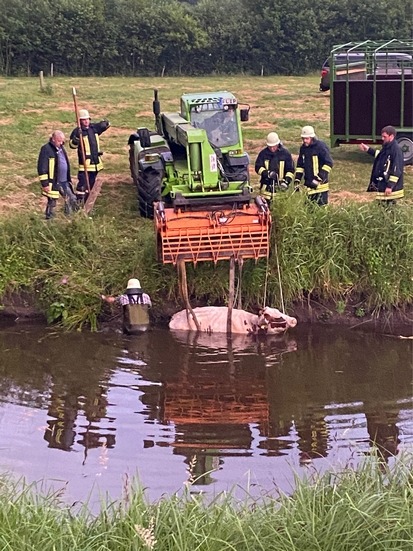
[53, 169]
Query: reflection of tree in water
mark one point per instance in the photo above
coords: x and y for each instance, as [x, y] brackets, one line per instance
[65, 378]
[330, 369]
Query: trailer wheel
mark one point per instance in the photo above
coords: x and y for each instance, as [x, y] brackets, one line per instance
[149, 191]
[406, 145]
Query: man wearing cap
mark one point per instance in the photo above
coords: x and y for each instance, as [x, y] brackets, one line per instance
[53, 169]
[93, 161]
[314, 165]
[275, 166]
[135, 304]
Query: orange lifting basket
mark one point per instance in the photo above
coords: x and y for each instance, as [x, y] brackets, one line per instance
[212, 235]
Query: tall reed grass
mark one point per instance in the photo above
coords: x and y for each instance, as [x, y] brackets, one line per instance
[366, 509]
[353, 254]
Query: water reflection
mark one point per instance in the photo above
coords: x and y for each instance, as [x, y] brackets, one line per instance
[203, 408]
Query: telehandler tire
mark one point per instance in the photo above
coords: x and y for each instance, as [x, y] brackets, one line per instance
[149, 191]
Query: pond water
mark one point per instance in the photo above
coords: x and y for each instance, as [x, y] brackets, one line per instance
[87, 413]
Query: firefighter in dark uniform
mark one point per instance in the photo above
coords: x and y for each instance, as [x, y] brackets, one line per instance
[387, 173]
[53, 169]
[314, 165]
[275, 166]
[90, 132]
[135, 304]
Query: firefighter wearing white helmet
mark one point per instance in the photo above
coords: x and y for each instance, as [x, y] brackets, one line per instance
[314, 165]
[275, 167]
[308, 132]
[93, 154]
[135, 304]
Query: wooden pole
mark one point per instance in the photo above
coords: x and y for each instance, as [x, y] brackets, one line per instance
[41, 77]
[81, 142]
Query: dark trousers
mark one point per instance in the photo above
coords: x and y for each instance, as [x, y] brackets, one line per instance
[66, 191]
[81, 185]
[319, 198]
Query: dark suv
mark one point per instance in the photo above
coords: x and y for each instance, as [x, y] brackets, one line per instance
[346, 61]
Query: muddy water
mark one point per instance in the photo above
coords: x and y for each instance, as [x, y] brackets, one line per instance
[88, 412]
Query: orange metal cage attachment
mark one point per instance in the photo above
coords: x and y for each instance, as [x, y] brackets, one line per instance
[212, 235]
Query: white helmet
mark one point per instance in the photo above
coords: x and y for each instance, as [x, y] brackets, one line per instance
[134, 284]
[308, 132]
[273, 139]
[83, 114]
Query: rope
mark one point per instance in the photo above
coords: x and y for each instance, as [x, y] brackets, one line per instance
[267, 273]
[279, 278]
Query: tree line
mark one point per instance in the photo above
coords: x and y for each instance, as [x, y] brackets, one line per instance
[193, 37]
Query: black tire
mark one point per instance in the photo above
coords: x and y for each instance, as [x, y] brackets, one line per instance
[406, 144]
[149, 191]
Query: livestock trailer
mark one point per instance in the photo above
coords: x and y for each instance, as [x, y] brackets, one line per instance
[371, 87]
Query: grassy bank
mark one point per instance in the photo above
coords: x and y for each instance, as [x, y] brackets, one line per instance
[347, 256]
[353, 254]
[358, 510]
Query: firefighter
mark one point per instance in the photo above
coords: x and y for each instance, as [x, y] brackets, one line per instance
[314, 165]
[53, 169]
[135, 304]
[275, 166]
[90, 132]
[387, 173]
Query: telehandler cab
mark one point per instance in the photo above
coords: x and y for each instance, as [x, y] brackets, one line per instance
[192, 177]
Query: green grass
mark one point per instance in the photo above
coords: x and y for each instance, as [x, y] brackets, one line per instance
[352, 252]
[370, 508]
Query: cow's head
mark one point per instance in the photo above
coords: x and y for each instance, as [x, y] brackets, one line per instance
[272, 321]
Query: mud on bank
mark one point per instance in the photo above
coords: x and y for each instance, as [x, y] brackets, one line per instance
[21, 308]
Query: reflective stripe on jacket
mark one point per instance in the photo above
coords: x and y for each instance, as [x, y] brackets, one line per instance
[387, 171]
[314, 163]
[92, 146]
[279, 161]
[47, 169]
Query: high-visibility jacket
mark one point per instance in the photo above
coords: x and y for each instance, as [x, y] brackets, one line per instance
[47, 169]
[92, 145]
[387, 171]
[314, 163]
[280, 162]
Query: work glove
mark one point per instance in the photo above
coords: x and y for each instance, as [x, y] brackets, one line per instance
[296, 185]
[283, 185]
[264, 174]
[105, 124]
[273, 175]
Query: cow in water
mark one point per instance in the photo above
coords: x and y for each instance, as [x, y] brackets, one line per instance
[213, 319]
